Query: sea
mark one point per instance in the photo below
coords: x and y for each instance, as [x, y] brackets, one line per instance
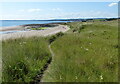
[7, 23]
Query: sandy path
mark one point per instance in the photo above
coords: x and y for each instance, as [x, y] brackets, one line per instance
[49, 31]
[52, 53]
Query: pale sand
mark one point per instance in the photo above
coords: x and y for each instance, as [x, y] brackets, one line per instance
[12, 28]
[49, 31]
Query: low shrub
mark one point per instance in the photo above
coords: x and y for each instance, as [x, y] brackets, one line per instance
[59, 34]
[51, 39]
[54, 37]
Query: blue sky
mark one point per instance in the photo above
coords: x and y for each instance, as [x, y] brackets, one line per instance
[57, 10]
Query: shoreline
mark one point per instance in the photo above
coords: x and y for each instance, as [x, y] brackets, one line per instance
[22, 27]
[46, 32]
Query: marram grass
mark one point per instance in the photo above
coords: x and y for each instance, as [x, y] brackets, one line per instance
[90, 55]
[88, 52]
[24, 58]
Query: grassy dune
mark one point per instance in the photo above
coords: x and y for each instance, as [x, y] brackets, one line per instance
[87, 53]
[24, 58]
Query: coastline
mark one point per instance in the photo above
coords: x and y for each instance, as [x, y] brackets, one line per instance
[23, 27]
[30, 33]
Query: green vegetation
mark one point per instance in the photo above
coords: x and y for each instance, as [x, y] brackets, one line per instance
[87, 53]
[54, 37]
[40, 28]
[24, 58]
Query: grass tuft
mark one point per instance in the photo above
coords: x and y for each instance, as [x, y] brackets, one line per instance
[24, 58]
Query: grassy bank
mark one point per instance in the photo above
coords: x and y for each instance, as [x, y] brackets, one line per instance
[24, 58]
[87, 53]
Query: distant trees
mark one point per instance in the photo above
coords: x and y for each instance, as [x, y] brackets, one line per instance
[110, 19]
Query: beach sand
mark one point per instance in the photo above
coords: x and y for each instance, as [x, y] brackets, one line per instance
[12, 28]
[49, 31]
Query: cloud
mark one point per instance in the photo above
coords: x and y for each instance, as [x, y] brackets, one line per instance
[112, 4]
[31, 10]
[87, 14]
[13, 17]
[34, 10]
[56, 9]
[60, 15]
[22, 10]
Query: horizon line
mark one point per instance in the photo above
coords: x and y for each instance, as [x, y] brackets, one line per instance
[62, 19]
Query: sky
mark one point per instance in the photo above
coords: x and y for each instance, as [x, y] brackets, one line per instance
[57, 10]
[59, 0]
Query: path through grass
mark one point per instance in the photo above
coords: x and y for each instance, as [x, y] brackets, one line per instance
[85, 55]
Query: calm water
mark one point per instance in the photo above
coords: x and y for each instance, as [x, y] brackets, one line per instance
[5, 23]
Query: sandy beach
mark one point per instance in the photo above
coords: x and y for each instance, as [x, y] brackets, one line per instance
[12, 28]
[46, 32]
